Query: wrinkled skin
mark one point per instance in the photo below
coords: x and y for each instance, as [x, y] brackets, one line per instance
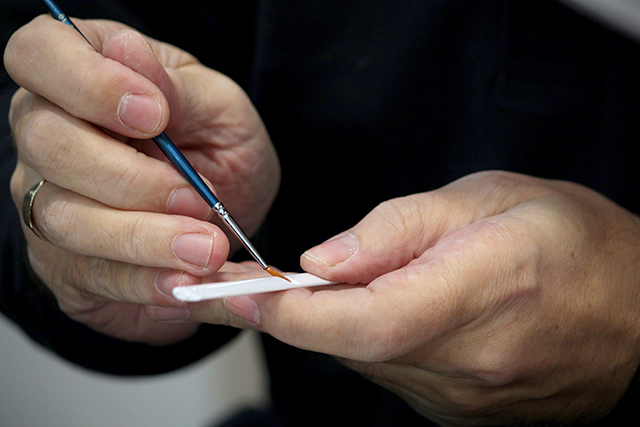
[498, 299]
[83, 121]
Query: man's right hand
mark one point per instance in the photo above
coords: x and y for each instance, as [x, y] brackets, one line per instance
[123, 228]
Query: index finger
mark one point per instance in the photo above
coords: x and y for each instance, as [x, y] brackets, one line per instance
[459, 283]
[373, 323]
[53, 60]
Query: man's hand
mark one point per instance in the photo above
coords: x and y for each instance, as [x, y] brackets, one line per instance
[123, 227]
[499, 299]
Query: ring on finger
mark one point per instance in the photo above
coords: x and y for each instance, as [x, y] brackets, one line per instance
[27, 207]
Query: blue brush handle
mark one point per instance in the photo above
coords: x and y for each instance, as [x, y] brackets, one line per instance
[184, 167]
[57, 13]
[162, 141]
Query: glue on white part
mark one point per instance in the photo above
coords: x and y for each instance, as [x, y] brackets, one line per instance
[208, 291]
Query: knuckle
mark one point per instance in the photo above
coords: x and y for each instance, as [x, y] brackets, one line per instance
[129, 179]
[40, 135]
[21, 103]
[16, 187]
[64, 279]
[75, 93]
[134, 236]
[471, 391]
[466, 399]
[398, 216]
[40, 144]
[495, 366]
[95, 278]
[114, 281]
[58, 218]
[140, 182]
[17, 46]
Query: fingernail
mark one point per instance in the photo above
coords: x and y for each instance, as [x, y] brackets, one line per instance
[244, 307]
[140, 112]
[186, 201]
[167, 281]
[167, 314]
[334, 251]
[194, 248]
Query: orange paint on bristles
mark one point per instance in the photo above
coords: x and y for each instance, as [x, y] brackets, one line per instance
[274, 273]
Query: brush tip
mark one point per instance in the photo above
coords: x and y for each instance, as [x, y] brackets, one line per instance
[274, 273]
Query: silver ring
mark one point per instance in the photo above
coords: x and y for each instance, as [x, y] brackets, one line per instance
[27, 206]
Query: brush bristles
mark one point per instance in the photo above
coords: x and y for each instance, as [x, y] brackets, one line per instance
[274, 273]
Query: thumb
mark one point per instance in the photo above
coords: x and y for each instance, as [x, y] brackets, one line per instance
[388, 238]
[400, 230]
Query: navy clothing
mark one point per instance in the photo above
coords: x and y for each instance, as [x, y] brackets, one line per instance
[366, 100]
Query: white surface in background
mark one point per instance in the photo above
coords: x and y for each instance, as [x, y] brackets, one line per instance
[621, 15]
[39, 389]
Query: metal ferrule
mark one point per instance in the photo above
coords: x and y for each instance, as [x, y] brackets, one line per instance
[235, 228]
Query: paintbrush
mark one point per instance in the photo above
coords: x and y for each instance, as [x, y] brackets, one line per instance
[184, 167]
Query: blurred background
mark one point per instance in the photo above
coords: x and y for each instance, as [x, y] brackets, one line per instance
[40, 389]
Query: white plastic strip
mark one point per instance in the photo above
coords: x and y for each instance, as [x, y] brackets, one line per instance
[244, 287]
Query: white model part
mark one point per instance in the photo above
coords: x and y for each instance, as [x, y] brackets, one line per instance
[208, 291]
